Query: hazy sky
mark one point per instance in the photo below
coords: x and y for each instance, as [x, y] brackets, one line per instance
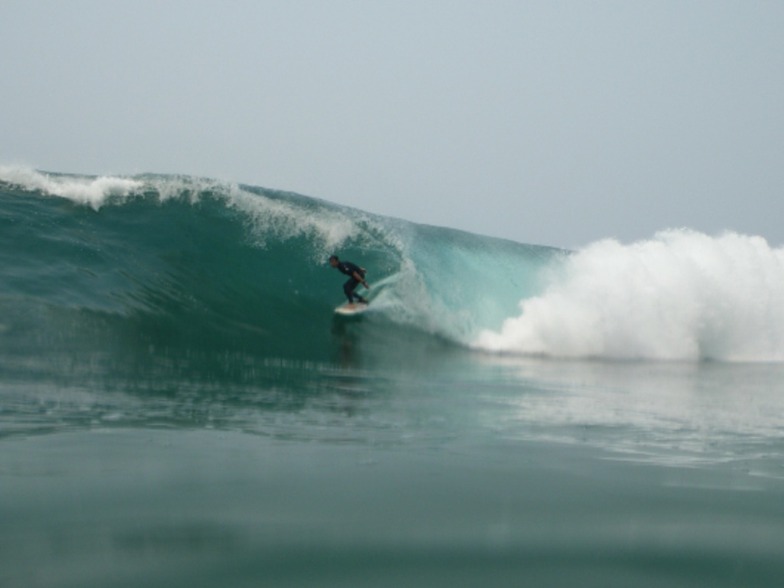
[540, 121]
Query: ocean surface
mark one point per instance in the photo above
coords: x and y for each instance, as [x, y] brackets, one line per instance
[179, 406]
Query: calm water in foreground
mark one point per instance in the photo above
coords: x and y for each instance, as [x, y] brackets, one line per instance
[435, 468]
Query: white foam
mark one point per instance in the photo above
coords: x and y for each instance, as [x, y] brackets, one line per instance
[267, 217]
[680, 295]
[284, 220]
[93, 192]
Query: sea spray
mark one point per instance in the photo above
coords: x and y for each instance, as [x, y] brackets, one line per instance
[91, 191]
[682, 295]
[269, 214]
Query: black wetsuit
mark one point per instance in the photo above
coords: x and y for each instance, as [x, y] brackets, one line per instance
[348, 268]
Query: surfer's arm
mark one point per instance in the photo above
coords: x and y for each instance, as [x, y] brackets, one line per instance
[360, 279]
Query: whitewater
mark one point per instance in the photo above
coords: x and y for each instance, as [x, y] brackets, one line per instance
[180, 406]
[681, 295]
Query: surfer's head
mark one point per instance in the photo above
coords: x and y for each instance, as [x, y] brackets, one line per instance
[333, 260]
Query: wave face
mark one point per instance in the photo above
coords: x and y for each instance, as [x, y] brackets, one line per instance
[134, 265]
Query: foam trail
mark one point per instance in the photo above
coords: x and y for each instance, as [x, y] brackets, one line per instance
[681, 295]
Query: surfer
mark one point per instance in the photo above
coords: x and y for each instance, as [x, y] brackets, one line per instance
[356, 276]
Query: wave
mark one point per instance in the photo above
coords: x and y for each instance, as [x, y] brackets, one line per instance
[133, 264]
[150, 262]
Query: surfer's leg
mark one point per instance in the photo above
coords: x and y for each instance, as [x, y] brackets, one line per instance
[348, 289]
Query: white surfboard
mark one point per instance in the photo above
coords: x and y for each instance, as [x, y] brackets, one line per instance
[351, 308]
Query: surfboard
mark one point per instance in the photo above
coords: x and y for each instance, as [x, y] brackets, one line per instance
[351, 308]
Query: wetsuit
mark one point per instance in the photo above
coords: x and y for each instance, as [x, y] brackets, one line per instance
[348, 268]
